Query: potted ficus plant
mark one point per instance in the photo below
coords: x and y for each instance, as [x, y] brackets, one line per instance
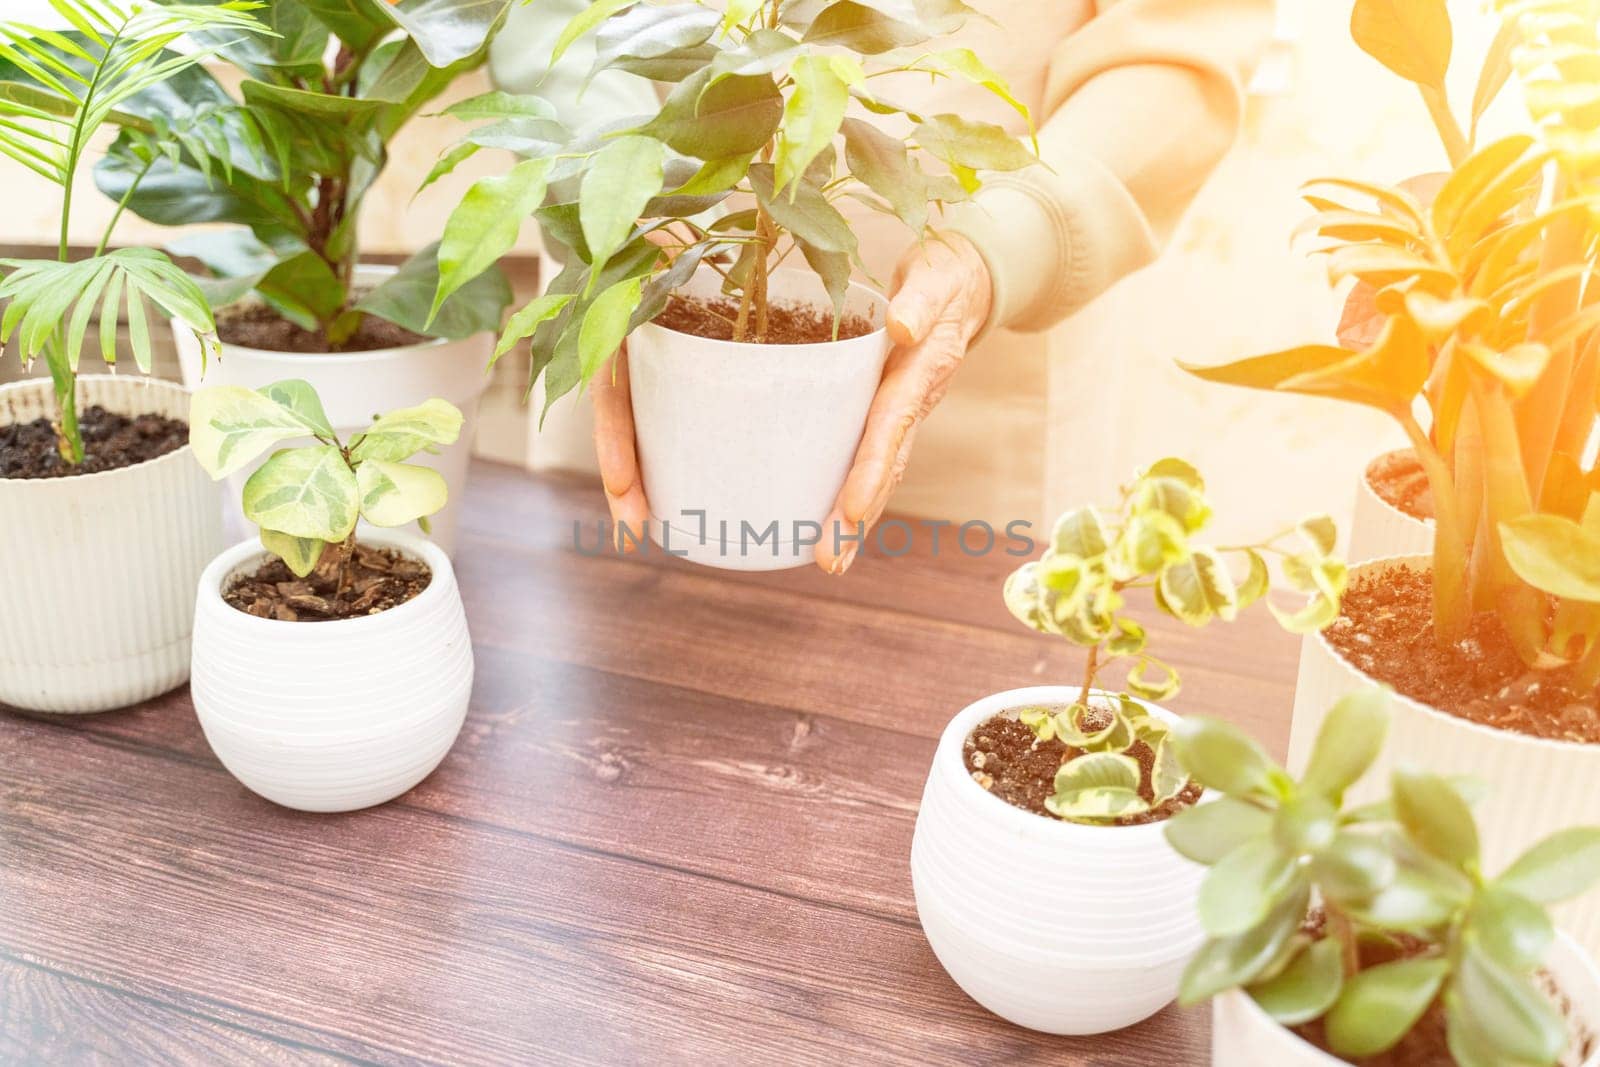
[1042, 879]
[1372, 935]
[289, 158]
[107, 524]
[331, 669]
[750, 381]
[1485, 350]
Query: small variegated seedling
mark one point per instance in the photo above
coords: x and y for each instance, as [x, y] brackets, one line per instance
[309, 497]
[1077, 590]
[1408, 916]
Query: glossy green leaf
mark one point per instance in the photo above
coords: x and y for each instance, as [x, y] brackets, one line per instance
[1520, 1021]
[1555, 554]
[735, 116]
[803, 211]
[525, 320]
[1560, 867]
[402, 433]
[1348, 742]
[586, 22]
[299, 554]
[1380, 1004]
[394, 494]
[1513, 930]
[649, 32]
[620, 180]
[1199, 589]
[1353, 867]
[229, 426]
[405, 299]
[300, 398]
[1244, 886]
[883, 164]
[1435, 817]
[1229, 962]
[304, 492]
[605, 324]
[811, 115]
[1306, 988]
[1220, 756]
[484, 226]
[861, 29]
[448, 31]
[1304, 823]
[963, 142]
[1207, 832]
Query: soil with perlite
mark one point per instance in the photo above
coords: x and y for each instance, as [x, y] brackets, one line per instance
[1400, 482]
[787, 324]
[1386, 631]
[111, 441]
[1004, 756]
[258, 326]
[376, 580]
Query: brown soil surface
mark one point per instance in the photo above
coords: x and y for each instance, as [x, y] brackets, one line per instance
[258, 326]
[110, 442]
[376, 580]
[787, 324]
[1398, 479]
[1006, 758]
[1386, 630]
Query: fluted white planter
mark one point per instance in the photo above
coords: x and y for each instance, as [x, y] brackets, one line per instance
[337, 715]
[1055, 926]
[1537, 786]
[1379, 530]
[1242, 1035]
[354, 387]
[97, 571]
[743, 447]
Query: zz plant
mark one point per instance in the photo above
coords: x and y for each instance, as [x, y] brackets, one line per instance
[1078, 590]
[308, 498]
[763, 95]
[1477, 306]
[1399, 880]
[57, 89]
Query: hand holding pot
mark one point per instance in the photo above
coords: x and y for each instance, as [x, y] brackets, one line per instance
[940, 299]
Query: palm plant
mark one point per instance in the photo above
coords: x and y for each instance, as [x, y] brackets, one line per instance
[56, 89]
[1475, 322]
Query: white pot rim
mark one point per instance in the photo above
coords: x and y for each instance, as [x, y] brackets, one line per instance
[1370, 490]
[1026, 823]
[878, 299]
[247, 552]
[1504, 736]
[183, 454]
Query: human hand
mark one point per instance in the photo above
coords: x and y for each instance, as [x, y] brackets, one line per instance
[941, 298]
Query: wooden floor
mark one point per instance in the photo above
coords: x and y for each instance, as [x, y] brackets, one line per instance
[674, 830]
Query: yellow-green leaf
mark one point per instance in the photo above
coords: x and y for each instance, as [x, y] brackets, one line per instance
[393, 494]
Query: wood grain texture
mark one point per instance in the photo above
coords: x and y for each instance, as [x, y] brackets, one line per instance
[675, 830]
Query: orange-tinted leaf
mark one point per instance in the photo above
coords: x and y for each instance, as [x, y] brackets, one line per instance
[1397, 200]
[1440, 317]
[1474, 176]
[1388, 375]
[1272, 370]
[1383, 265]
[1410, 37]
[1517, 368]
[1344, 225]
[1362, 321]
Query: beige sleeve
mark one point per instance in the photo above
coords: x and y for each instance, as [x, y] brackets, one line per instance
[1140, 104]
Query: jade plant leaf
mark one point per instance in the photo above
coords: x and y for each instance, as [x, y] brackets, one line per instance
[393, 494]
[1379, 1005]
[1306, 988]
[1521, 1023]
[1436, 817]
[1228, 962]
[1243, 887]
[1353, 867]
[229, 426]
[1223, 757]
[1206, 833]
[1513, 930]
[1558, 868]
[304, 492]
[404, 432]
[1348, 742]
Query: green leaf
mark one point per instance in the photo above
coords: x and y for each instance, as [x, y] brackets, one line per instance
[497, 104]
[306, 283]
[861, 29]
[299, 554]
[229, 426]
[620, 180]
[962, 142]
[1079, 532]
[648, 32]
[585, 22]
[1198, 589]
[1555, 554]
[1140, 684]
[1379, 1005]
[1220, 756]
[358, 23]
[300, 399]
[1354, 867]
[884, 165]
[605, 324]
[1306, 988]
[1098, 770]
[1521, 1022]
[1091, 805]
[1257, 582]
[527, 319]
[448, 31]
[1435, 817]
[804, 212]
[811, 116]
[404, 299]
[403, 433]
[1207, 832]
[1320, 532]
[1411, 901]
[1318, 614]
[1244, 886]
[1349, 740]
[964, 63]
[1513, 930]
[304, 492]
[484, 226]
[1304, 823]
[1228, 962]
[394, 494]
[732, 117]
[1410, 37]
[1560, 867]
[348, 111]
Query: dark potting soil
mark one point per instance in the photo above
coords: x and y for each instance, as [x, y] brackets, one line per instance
[258, 326]
[1386, 631]
[376, 580]
[1005, 757]
[787, 324]
[1398, 479]
[110, 442]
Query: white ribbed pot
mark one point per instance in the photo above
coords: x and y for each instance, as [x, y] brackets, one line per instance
[354, 387]
[97, 571]
[338, 715]
[1379, 530]
[1536, 786]
[744, 447]
[1055, 926]
[1242, 1035]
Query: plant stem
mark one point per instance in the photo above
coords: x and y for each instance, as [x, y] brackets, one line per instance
[348, 554]
[1451, 607]
[1341, 930]
[1506, 496]
[1539, 413]
[1455, 142]
[1090, 669]
[105, 238]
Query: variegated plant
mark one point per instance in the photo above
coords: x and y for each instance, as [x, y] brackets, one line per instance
[1077, 590]
[309, 497]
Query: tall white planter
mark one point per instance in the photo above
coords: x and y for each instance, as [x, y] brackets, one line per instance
[355, 386]
[1537, 786]
[97, 571]
[744, 447]
[1242, 1035]
[1054, 926]
[338, 715]
[1379, 530]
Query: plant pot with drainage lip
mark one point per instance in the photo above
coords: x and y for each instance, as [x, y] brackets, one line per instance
[332, 668]
[1340, 932]
[1394, 510]
[1043, 878]
[749, 385]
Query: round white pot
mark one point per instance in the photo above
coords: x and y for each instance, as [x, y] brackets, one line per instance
[1536, 787]
[1379, 530]
[97, 571]
[332, 716]
[1054, 926]
[744, 447]
[1242, 1035]
[354, 387]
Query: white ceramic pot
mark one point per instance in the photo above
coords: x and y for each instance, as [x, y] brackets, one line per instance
[1054, 926]
[97, 571]
[354, 387]
[339, 715]
[1242, 1035]
[1379, 530]
[744, 447]
[1536, 787]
